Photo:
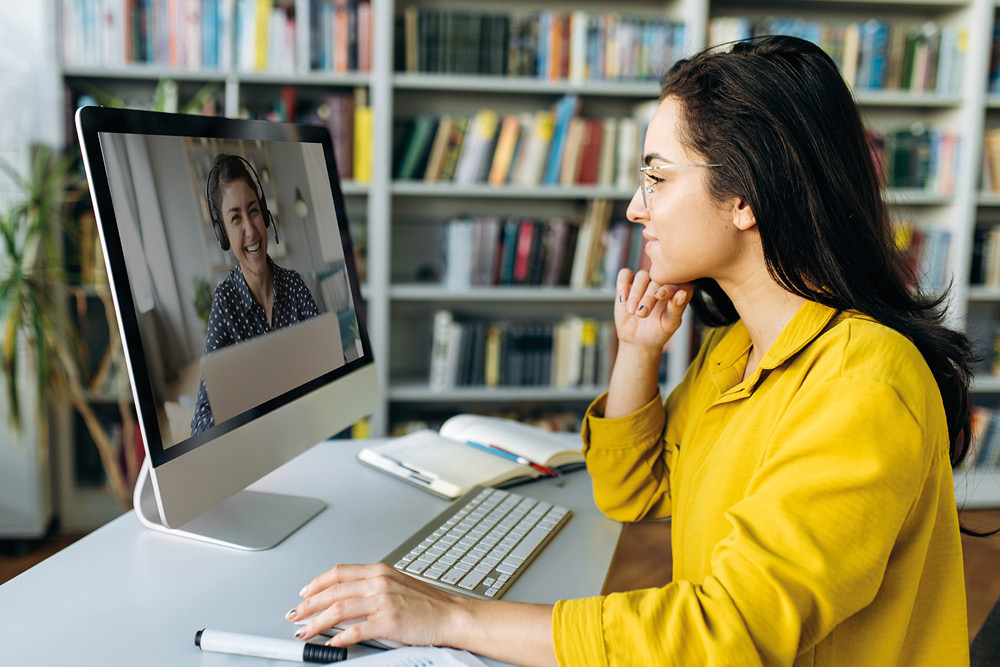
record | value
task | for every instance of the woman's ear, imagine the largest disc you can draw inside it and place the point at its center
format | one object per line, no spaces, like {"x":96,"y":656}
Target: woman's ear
{"x":743,"y":216}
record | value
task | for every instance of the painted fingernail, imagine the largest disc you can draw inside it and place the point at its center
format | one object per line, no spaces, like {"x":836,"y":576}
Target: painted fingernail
{"x":621,"y":296}
{"x":642,"y":309}
{"x":660,"y":293}
{"x":300,"y":634}
{"x":291,"y":614}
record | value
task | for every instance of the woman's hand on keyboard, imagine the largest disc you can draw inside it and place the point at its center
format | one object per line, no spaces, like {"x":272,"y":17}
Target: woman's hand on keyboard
{"x":395,"y":606}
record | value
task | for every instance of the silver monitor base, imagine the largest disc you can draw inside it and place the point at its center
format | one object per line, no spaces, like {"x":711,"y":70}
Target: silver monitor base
{"x":249,"y":520}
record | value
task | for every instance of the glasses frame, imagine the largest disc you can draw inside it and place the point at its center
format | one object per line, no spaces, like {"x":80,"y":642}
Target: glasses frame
{"x":647,"y":195}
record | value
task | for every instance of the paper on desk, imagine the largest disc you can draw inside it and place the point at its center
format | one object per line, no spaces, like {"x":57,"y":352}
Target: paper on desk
{"x":420,"y":656}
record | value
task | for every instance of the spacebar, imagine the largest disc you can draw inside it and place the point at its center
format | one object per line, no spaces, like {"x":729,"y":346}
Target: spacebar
{"x":529,"y":543}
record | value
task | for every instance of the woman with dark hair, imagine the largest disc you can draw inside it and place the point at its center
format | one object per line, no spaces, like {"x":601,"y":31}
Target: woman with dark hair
{"x":257,"y":296}
{"x":805,"y":457}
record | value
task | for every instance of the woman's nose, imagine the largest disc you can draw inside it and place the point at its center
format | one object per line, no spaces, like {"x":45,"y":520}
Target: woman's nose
{"x":636,"y":211}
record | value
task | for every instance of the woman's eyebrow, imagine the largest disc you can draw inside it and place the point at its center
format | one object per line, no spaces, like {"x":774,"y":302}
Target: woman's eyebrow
{"x":649,"y":157}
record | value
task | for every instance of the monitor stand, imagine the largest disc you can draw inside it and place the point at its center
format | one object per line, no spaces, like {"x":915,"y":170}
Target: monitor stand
{"x":249,"y":520}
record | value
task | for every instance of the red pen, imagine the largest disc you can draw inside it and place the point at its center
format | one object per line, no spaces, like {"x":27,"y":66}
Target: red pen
{"x":526,"y":462}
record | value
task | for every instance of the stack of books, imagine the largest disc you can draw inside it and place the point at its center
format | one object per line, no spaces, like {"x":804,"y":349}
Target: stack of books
{"x":984,"y":450}
{"x":475,"y":352}
{"x":488,"y":251}
{"x":246,"y":35}
{"x":926,"y":249}
{"x":873,"y":54}
{"x":917,"y":156}
{"x":554,"y":45}
{"x":552,"y":147}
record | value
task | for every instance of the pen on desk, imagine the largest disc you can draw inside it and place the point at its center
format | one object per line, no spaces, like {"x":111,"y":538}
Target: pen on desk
{"x":500,"y":451}
{"x":219,"y":641}
{"x":412,"y":473}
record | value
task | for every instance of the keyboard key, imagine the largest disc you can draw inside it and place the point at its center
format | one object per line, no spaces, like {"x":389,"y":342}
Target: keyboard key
{"x":530,"y":541}
{"x":452,"y":576}
{"x":417,"y":566}
{"x":471,"y":580}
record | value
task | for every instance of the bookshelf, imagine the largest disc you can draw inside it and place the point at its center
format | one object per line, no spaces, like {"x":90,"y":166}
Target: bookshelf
{"x":402,"y":220}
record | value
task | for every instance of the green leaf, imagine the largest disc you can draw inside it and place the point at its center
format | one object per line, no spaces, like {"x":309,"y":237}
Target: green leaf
{"x":103,"y":98}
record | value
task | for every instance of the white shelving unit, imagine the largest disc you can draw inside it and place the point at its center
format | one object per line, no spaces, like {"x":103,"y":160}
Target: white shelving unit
{"x":397,"y":305}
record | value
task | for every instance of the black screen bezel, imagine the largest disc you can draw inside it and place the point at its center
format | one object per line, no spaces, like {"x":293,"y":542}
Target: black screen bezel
{"x":91,"y":123}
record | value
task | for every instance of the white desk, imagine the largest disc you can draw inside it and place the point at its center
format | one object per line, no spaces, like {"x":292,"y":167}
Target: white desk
{"x":125,"y":595}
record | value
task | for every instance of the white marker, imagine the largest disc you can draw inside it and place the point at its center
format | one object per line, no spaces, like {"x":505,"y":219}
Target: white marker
{"x":267,"y":647}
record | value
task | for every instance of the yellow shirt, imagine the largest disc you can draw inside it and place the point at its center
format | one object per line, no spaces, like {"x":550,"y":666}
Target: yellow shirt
{"x":814,"y":518}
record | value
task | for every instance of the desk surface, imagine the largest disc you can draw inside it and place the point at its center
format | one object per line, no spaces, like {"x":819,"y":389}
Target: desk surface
{"x":127,"y":595}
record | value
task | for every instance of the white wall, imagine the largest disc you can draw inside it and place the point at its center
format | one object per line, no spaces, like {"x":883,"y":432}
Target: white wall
{"x":31,"y":105}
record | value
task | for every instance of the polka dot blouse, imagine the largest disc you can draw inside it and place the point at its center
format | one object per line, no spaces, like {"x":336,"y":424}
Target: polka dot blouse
{"x":235,"y":317}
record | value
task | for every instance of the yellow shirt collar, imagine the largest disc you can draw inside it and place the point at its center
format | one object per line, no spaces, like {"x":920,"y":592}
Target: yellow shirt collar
{"x":728,"y":359}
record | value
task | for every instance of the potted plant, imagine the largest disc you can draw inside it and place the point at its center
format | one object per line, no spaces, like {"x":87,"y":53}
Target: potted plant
{"x":32,"y":283}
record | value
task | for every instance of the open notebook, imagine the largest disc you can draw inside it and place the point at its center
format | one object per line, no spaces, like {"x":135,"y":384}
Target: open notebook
{"x":445,"y":463}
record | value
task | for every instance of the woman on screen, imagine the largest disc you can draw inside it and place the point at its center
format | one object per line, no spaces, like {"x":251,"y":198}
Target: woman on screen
{"x":806,"y":457}
{"x":257,"y":296}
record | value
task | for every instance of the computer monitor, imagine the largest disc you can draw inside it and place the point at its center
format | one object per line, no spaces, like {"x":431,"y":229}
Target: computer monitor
{"x":248,"y":282}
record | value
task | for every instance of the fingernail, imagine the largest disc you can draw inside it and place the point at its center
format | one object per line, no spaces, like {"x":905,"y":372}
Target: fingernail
{"x":631,"y":307}
{"x":621,"y":296}
{"x":303,"y":592}
{"x":291,"y":614}
{"x":660,"y":293}
{"x":300,"y":634}
{"x":642,"y":308}
{"x":680,"y":297}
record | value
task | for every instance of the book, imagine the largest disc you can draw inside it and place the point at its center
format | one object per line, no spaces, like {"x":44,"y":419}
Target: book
{"x":417,"y":149}
{"x":510,"y":129}
{"x":443,"y":463}
{"x":435,"y":161}
{"x":362,"y":168}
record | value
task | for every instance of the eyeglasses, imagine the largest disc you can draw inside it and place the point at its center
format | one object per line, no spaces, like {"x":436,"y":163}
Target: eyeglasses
{"x":646,"y":183}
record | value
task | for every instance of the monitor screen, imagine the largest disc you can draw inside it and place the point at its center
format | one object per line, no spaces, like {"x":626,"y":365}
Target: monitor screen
{"x":230,"y":263}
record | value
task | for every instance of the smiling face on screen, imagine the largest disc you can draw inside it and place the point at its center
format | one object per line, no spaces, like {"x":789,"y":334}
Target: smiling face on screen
{"x":243,"y":220}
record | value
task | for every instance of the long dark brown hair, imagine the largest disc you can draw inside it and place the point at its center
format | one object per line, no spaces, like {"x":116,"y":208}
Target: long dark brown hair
{"x":776,"y":114}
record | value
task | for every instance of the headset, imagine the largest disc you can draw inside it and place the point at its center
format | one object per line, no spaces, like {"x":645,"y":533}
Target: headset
{"x":220,"y":230}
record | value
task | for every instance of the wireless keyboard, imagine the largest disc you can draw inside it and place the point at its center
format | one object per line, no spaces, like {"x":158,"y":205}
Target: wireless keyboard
{"x":481,"y":544}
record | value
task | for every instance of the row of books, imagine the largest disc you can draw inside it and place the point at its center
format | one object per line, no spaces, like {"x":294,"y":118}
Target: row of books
{"x":548,"y":147}
{"x":984,"y":268}
{"x":340,"y":37}
{"x":173,"y":33}
{"x":917,"y":156}
{"x":345,"y":113}
{"x":577,"y":351}
{"x":984,"y":450}
{"x":248,"y":35}
{"x":553,"y":45}
{"x":873,"y":54}
{"x":488,"y":251}
{"x":263,"y":35}
{"x":926,"y":250}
